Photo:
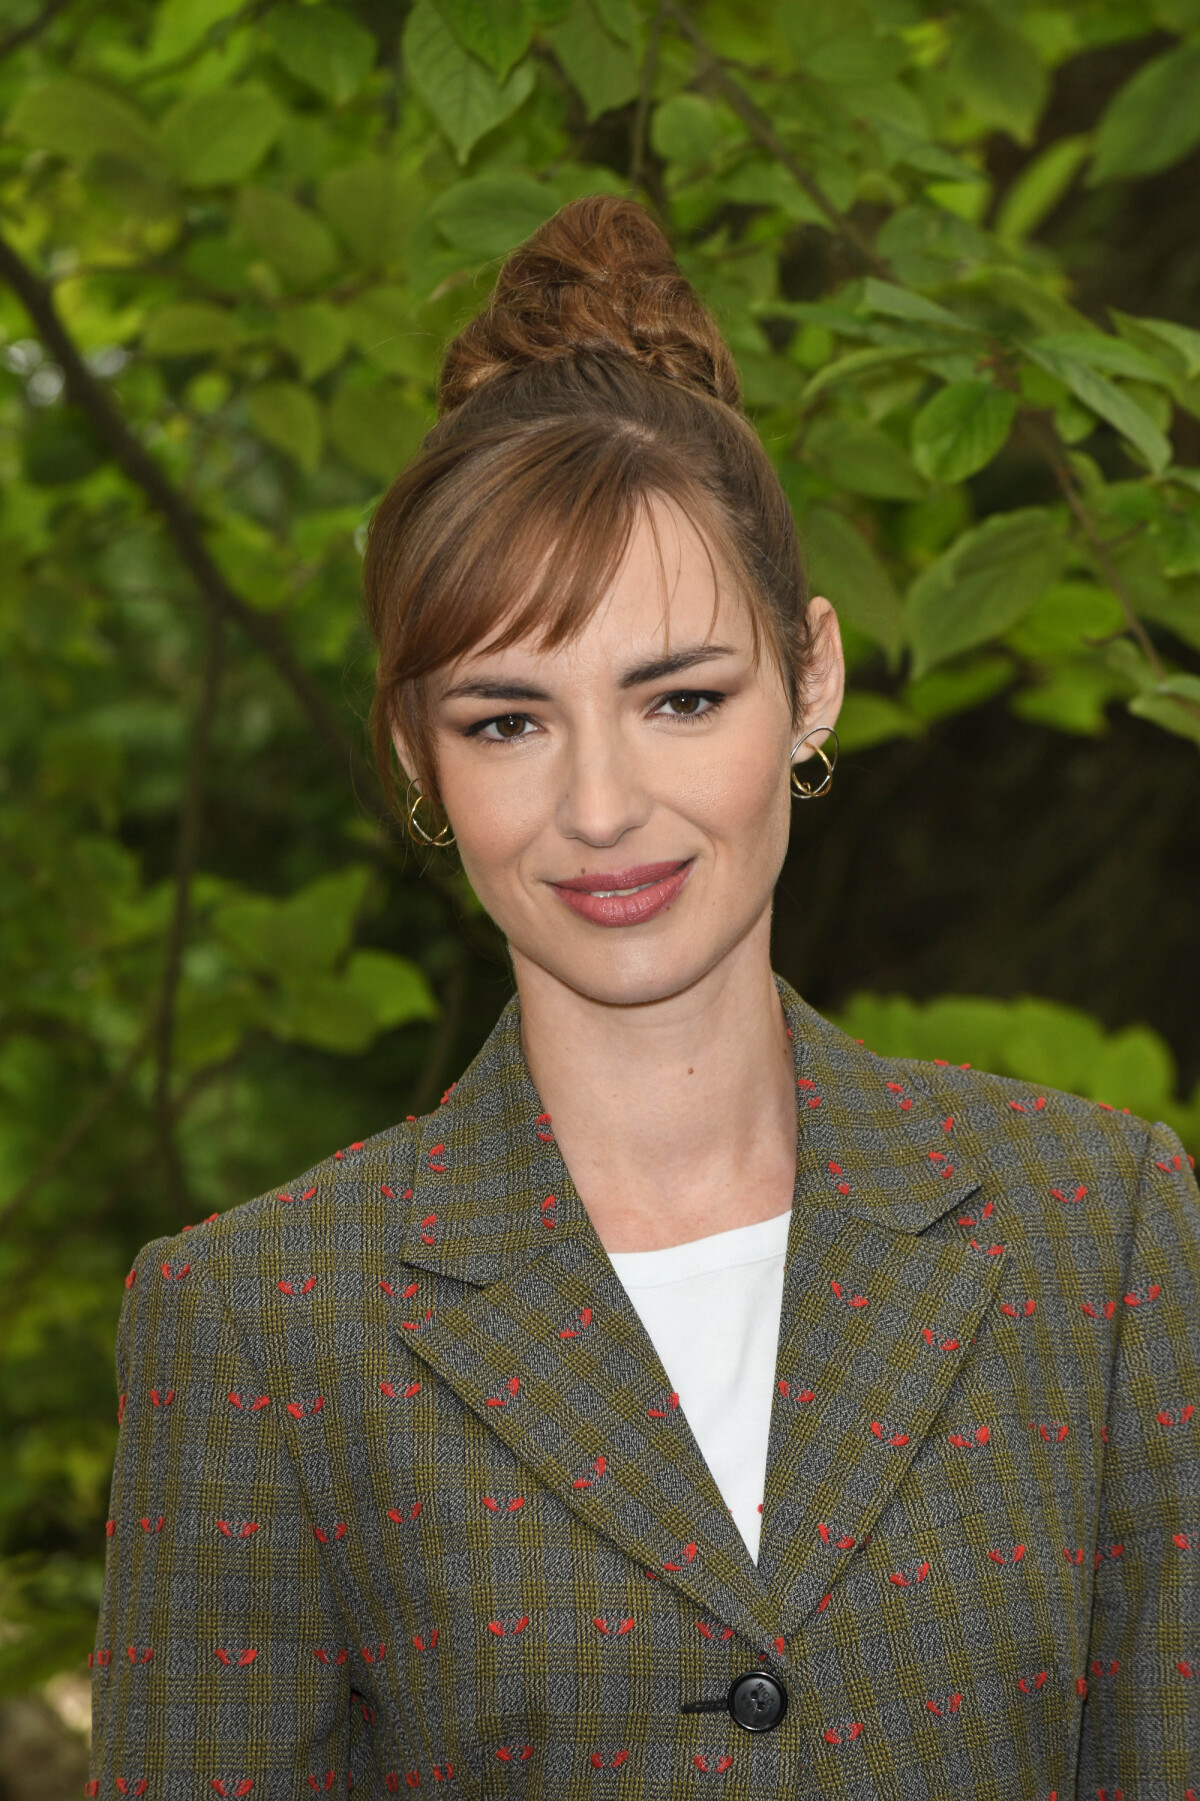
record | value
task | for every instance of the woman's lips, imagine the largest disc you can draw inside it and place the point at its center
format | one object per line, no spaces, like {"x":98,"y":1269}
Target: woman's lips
{"x":624,"y":897}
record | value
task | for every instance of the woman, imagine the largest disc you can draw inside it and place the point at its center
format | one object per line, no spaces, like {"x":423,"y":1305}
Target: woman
{"x":694,"y":1401}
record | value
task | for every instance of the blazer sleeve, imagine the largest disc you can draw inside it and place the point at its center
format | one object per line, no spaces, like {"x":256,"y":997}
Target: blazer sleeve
{"x":1141,"y":1712}
{"x":220,"y":1664}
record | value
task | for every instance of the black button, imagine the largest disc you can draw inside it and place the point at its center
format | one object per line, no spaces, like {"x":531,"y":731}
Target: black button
{"x":757,"y":1701}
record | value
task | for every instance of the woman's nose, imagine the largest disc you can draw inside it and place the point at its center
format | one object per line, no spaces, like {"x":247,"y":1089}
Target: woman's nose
{"x":603,"y":795}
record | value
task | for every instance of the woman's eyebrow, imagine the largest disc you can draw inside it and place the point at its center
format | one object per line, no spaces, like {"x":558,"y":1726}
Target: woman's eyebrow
{"x":658,"y":668}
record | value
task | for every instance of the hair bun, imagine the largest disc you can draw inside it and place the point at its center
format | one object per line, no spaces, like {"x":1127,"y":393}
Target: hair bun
{"x":598,"y":276}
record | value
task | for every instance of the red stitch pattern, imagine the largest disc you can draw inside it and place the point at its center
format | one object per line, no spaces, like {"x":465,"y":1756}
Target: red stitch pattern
{"x":428,"y":1224}
{"x":813,"y":1099}
{"x":1052,"y":1431}
{"x":1073,"y":1556}
{"x":940,"y":1158}
{"x":1019,"y":1309}
{"x":515,"y":1753}
{"x":1184,"y":1542}
{"x":853,"y":1300}
{"x":608,"y":1630}
{"x":401,"y":1518}
{"x":802,"y":1396}
{"x":1175,"y":1416}
{"x":823,"y":1603}
{"x":835,"y":1169}
{"x":152,"y":1525}
{"x":203,"y":1222}
{"x":405,"y":1394}
{"x":306,"y":1286}
{"x":514,"y":1505}
{"x":143,"y":1656}
{"x":578,"y":1325}
{"x":426,"y":1642}
{"x":435,"y":1152}
{"x":306,"y":1196}
{"x":1102,"y":1310}
{"x":242,"y":1786}
{"x":440,"y":1775}
{"x":511,"y":1390}
{"x":1098,"y":1668}
{"x":1029,"y":1685}
{"x":299,"y":1411}
{"x":715,"y":1769}
{"x":235,"y":1659}
{"x":614,"y":1763}
{"x":949,"y":1704}
{"x":322,"y":1656}
{"x":543,"y":1120}
{"x":374,"y":1653}
{"x":1185,"y":1668}
{"x":548,"y":1216}
{"x":668,"y":1406}
{"x":978,"y":1437}
{"x":832,"y":1736}
{"x":845,"y":1543}
{"x":110,"y":1527}
{"x":1141,"y":1297}
{"x":969,"y":1219}
{"x":131,"y":1278}
{"x":414,"y":1325}
{"x":1107,"y":1551}
{"x":356,"y":1146}
{"x":101,"y":1658}
{"x":895,"y":1438}
{"x":163,"y":1400}
{"x":1068,"y":1199}
{"x":92,"y":1786}
{"x":315,"y":1785}
{"x":235,"y":1400}
{"x":175,"y":1275}
{"x":903,"y":1581}
{"x":948,"y":1123}
{"x":998,"y":1556}
{"x":132,"y":1785}
{"x":989,"y":1250}
{"x":709,"y":1632}
{"x":689,"y":1556}
{"x":237,"y":1529}
{"x":596,"y":1469}
{"x":330,"y":1534}
{"x":945,"y":1344}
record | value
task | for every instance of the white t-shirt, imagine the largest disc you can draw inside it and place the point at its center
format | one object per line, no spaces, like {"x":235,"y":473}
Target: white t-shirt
{"x":711,"y":1309}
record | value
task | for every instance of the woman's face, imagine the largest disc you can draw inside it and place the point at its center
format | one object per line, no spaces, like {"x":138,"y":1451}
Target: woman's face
{"x":621,"y":803}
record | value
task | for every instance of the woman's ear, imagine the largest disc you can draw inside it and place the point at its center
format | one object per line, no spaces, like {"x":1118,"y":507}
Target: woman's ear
{"x":403,"y":753}
{"x":825,"y":686}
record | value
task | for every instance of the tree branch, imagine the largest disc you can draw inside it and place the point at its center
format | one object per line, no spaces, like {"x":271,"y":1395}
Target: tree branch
{"x":649,"y":65}
{"x":182,"y":521}
{"x":763,"y":132}
{"x":185,"y":861}
{"x":25,"y":34}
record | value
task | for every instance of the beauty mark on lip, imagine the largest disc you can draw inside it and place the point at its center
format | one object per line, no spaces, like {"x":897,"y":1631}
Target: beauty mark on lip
{"x":620,"y":897}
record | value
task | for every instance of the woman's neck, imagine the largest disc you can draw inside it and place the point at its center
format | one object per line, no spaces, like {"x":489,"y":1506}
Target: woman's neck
{"x":676,"y":1119}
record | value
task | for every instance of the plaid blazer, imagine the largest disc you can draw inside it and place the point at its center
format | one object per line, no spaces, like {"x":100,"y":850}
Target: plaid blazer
{"x":403,"y":1499}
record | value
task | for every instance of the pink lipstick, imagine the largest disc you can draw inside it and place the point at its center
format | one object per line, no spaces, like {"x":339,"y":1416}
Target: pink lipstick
{"x":624,"y":897}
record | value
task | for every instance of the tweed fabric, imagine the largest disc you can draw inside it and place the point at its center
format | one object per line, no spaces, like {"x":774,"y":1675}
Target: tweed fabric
{"x":402,"y":1498}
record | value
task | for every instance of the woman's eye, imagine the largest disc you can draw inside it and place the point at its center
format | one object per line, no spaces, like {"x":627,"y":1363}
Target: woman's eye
{"x":508,"y":725}
{"x":688,"y":703}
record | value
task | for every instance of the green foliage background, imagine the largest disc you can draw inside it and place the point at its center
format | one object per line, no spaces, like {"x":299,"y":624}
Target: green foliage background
{"x":233,"y":238}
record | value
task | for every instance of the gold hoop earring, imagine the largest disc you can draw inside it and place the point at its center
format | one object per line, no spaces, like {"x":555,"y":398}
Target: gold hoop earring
{"x":416,"y":830}
{"x":805,"y":790}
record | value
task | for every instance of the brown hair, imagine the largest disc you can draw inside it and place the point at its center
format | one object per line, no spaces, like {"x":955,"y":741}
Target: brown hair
{"x":595,"y":380}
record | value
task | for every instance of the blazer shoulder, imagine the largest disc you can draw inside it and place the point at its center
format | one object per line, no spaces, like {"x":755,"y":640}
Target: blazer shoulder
{"x":326,"y":1208}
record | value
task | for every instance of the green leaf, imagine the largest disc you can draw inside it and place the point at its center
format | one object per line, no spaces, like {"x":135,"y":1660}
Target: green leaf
{"x":687,"y":129}
{"x":315,"y":335}
{"x":79,"y":119}
{"x":1172,"y":714}
{"x":221,"y":136}
{"x":1159,"y":336}
{"x":498,"y":32}
{"x":487,"y":215}
{"x":603,"y":69}
{"x":293,"y":240}
{"x":904,"y":303}
{"x":1068,"y":613}
{"x":324,"y":1012}
{"x":961,"y":429}
{"x":371,"y":205}
{"x":381,"y":323}
{"x":1153,"y":121}
{"x":944,"y":692}
{"x":863,"y":459}
{"x":189,"y":328}
{"x":1039,"y":187}
{"x":860,"y":362}
{"x":867,"y":719}
{"x":1113,"y":356}
{"x":461,"y":92}
{"x":994,"y":65}
{"x":1104,"y":399}
{"x":392,"y":987}
{"x":287,"y":416}
{"x":323,"y":46}
{"x":301,"y":935}
{"x":841,"y":42}
{"x":983,"y":584}
{"x":377,"y":428}
{"x":1070,"y":696}
{"x":840,"y":563}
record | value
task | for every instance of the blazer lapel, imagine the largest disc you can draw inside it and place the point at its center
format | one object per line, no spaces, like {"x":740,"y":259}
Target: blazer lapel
{"x":528,"y":1323}
{"x":877,"y":1319}
{"x":531,"y":1327}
